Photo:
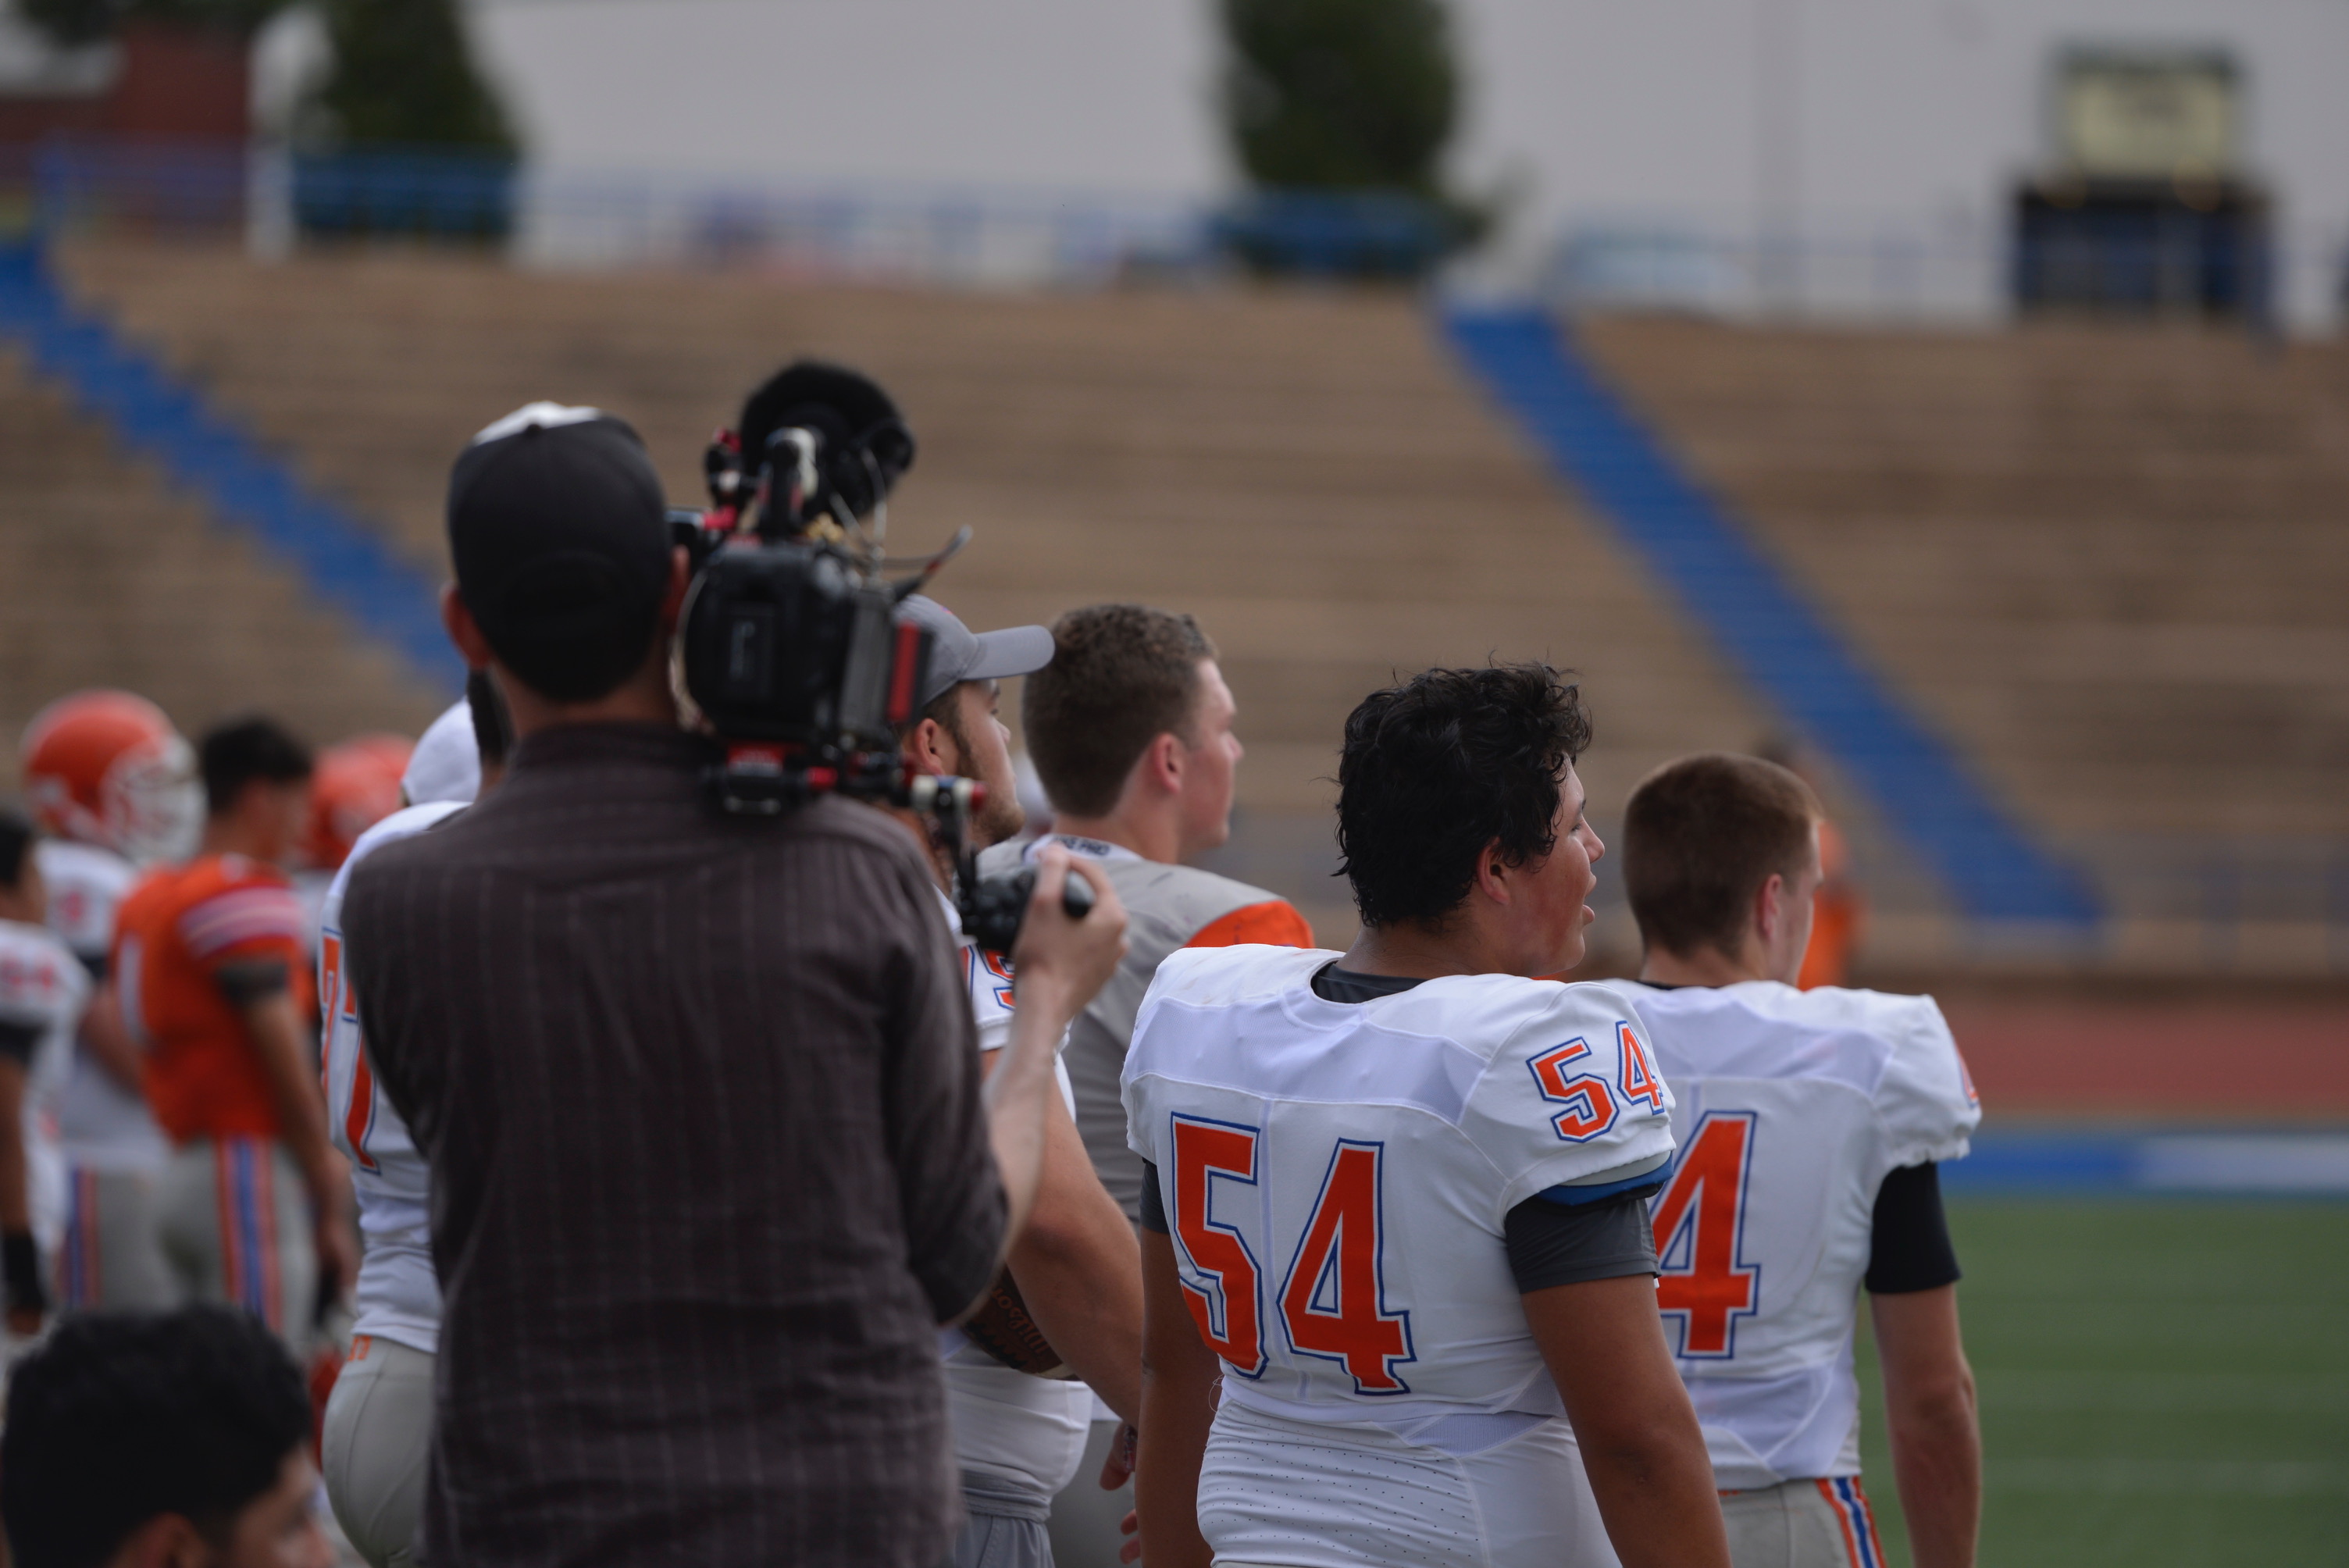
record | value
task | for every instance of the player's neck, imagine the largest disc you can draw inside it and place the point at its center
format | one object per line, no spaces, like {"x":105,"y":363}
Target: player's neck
{"x":1410,"y":952}
{"x":229,"y":835}
{"x":1153,"y":835}
{"x":1707,"y":967}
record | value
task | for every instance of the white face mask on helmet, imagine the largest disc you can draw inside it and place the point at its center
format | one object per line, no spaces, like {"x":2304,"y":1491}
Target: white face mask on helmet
{"x":153,"y":806}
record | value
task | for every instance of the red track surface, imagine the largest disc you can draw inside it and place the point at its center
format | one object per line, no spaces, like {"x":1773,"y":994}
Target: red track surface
{"x":2184,"y":1059}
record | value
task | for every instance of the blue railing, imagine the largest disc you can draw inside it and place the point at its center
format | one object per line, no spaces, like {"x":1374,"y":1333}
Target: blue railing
{"x":1773,"y":637}
{"x":157,"y":416}
{"x":435,"y":192}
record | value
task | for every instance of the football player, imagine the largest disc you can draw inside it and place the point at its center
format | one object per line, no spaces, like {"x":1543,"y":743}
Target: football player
{"x":375,"y":1440}
{"x":208,"y":969}
{"x":1130,"y":727}
{"x":43,"y":990}
{"x":356,"y":786}
{"x":1020,"y":1422}
{"x":1809,"y":1124}
{"x":113,"y":786}
{"x":1397,"y":1196}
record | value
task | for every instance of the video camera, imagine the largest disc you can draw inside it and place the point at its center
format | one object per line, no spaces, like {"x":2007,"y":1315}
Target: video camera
{"x":790,"y":653}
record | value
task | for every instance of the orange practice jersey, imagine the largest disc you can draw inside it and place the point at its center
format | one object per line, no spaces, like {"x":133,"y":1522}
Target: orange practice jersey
{"x":176,"y":932}
{"x":1273,"y":923}
{"x":1837,"y":916}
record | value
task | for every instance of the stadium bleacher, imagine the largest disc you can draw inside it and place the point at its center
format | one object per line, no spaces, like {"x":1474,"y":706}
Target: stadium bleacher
{"x":117,"y":581}
{"x":2105,"y":560}
{"x":2108,"y":560}
{"x":2095,"y":560}
{"x":1306,"y":472}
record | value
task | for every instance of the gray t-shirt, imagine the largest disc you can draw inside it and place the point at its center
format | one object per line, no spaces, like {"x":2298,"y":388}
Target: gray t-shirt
{"x":1167,"y":907}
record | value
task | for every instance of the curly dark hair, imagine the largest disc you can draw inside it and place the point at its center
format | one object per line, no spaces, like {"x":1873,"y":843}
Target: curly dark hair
{"x":120,"y":1418}
{"x":1443,"y":765}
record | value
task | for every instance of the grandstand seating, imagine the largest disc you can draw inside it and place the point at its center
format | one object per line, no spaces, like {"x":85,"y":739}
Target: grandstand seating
{"x":2102,"y":561}
{"x":2109,"y":562}
{"x":114,"y":579}
{"x":1306,"y":472}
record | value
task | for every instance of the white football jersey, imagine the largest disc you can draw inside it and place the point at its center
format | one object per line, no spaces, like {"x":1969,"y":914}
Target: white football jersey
{"x":1007,"y":1426}
{"x":43,"y":986}
{"x":105,"y":1125}
{"x":397,"y":1293}
{"x":1793,"y":1107}
{"x":310,"y":890}
{"x":1337,"y":1179}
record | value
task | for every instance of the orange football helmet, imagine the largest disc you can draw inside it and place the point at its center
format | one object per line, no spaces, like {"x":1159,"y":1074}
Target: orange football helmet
{"x":106,"y":768}
{"x":356,"y":784}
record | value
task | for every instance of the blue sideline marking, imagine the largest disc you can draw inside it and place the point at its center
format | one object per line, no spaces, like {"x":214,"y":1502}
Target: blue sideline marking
{"x":1776,"y":640}
{"x":2247,"y":1164}
{"x":150,"y":411}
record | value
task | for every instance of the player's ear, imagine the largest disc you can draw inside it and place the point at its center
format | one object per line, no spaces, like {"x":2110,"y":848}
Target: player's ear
{"x":166,"y":1541}
{"x":1769,"y":910}
{"x":1161,"y":766}
{"x":931,"y":749}
{"x":1493,"y":871}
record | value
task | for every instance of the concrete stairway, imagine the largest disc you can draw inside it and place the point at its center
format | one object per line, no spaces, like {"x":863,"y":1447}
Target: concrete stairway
{"x":113,"y":579}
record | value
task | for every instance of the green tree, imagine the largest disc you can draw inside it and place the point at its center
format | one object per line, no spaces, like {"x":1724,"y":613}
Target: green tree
{"x":87,"y":21}
{"x":1341,"y":95}
{"x":403,"y":72}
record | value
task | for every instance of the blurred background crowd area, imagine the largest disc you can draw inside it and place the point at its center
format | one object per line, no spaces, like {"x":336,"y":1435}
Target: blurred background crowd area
{"x":1948,"y":396}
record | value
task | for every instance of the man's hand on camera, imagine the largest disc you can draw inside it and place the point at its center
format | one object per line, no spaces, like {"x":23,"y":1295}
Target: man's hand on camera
{"x":1061,"y":962}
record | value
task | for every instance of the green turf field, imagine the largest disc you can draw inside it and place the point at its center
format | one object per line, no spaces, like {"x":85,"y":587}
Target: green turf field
{"x":2162,"y":1383}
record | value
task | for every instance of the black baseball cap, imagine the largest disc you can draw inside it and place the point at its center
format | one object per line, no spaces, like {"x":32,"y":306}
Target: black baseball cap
{"x":560,"y":534}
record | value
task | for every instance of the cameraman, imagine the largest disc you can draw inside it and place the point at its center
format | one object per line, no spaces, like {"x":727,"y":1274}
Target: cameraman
{"x":710,"y":1158}
{"x":1075,"y":1274}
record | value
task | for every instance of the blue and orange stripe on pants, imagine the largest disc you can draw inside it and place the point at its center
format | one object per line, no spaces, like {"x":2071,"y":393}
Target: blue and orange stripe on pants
{"x":83,"y":1281}
{"x":1858,"y":1521}
{"x":245,"y":1176}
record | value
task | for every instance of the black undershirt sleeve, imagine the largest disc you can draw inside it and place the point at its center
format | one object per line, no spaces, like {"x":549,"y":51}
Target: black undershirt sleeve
{"x":1153,"y":1207}
{"x":1552,"y":1243}
{"x":252,"y":980}
{"x":19,"y":1041}
{"x":1908,"y":1242}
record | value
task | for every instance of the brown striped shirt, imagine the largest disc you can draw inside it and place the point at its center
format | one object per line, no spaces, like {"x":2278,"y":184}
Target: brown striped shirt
{"x":701,"y":1101}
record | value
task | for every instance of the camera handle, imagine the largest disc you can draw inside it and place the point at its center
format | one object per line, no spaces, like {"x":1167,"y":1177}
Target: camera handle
{"x":991,"y":909}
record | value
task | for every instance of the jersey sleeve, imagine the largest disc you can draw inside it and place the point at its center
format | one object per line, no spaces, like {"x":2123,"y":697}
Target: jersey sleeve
{"x":1572,"y":1100}
{"x":1926,"y":1098}
{"x":249,"y":920}
{"x":41,"y":985}
{"x":1272,"y":923}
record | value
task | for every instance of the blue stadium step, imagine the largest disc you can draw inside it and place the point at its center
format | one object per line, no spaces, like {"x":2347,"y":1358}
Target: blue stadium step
{"x":1769,"y":632}
{"x":154,"y":414}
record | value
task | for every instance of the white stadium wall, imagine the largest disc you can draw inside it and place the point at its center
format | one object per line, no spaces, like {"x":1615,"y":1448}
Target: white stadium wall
{"x":1850,"y":124}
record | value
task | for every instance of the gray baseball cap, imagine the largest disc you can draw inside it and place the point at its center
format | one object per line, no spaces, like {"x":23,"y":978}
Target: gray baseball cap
{"x":959,"y":654}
